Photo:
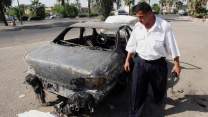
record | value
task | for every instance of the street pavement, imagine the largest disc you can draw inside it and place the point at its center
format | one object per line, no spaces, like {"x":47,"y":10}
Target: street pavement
{"x":26,"y":36}
{"x":190,"y":97}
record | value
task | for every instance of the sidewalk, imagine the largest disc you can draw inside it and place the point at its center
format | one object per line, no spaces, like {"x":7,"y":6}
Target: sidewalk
{"x":63,"y":22}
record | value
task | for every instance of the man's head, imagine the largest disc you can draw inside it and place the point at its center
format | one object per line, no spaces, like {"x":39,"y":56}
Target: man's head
{"x":144,"y":13}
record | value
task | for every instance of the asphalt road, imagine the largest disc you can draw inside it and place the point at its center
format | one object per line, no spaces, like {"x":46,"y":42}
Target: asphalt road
{"x":191,"y":90}
{"x":12,"y":38}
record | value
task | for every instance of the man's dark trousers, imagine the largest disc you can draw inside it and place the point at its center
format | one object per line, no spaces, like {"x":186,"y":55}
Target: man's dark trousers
{"x":145,"y":73}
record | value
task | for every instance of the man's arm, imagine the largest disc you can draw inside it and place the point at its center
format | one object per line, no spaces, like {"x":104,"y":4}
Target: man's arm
{"x":172,"y":49}
{"x":131,"y":49}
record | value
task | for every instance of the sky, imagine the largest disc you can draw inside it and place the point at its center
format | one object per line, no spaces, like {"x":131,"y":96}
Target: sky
{"x":52,"y":2}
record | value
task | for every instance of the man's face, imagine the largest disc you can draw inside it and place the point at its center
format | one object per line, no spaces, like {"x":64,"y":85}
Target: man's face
{"x":143,"y":18}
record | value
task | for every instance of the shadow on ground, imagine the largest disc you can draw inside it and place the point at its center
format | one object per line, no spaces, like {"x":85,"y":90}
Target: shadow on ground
{"x":188,"y":103}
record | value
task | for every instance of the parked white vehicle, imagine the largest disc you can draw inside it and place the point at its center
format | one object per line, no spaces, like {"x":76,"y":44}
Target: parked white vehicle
{"x":121,"y":12}
{"x":122,"y":19}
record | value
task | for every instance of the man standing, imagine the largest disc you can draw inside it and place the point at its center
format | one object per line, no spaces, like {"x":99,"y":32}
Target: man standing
{"x":151,"y":41}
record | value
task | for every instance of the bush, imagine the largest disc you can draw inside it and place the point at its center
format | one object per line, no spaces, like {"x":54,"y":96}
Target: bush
{"x":199,"y":15}
{"x":40,"y":12}
{"x":198,"y":10}
{"x":93,"y":14}
{"x":58,"y":9}
{"x":83,"y":15}
{"x":14,"y":11}
{"x":71,"y":10}
{"x":67,"y":11}
{"x":37,"y":10}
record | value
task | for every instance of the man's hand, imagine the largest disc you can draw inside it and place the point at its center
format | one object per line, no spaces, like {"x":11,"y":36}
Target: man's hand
{"x":177,"y":70}
{"x":127,"y":66}
{"x":177,"y":67}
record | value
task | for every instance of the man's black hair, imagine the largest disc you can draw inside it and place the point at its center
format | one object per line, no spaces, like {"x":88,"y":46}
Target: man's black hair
{"x":142,"y":6}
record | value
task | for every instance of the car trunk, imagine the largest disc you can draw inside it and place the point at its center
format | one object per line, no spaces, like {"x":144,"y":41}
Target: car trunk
{"x":60,"y":64}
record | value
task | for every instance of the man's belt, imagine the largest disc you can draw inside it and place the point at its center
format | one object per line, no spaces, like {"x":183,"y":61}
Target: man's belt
{"x":160,"y":60}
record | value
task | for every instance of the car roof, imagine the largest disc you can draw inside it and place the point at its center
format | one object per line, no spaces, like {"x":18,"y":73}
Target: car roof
{"x":99,"y":25}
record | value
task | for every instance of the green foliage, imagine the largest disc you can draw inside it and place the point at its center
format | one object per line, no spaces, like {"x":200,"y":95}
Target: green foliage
{"x":37,"y":9}
{"x":83,"y":15}
{"x":156,"y":8}
{"x":197,"y":9}
{"x":14,"y":11}
{"x":66,"y":11}
{"x":40,"y":12}
{"x":200,"y":12}
{"x":71,"y":10}
{"x":93,"y":14}
{"x":59,"y":9}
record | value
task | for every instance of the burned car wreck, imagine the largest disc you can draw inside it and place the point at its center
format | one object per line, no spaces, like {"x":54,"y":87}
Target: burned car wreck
{"x":82,"y":70}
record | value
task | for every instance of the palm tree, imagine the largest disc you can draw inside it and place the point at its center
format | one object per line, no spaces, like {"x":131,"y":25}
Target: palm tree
{"x":3,"y":5}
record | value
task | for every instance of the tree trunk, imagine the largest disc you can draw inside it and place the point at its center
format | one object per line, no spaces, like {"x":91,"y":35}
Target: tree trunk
{"x":2,"y":15}
{"x":129,"y":8}
{"x":63,"y":2}
{"x":89,"y":7}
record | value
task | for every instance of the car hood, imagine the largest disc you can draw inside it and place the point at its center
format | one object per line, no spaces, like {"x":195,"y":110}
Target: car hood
{"x":55,"y":61}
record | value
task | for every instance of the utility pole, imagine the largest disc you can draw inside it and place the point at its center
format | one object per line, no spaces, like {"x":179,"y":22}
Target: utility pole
{"x":19,"y":12}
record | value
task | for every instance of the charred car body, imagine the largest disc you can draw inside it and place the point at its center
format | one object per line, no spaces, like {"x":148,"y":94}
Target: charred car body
{"x":81,"y":69}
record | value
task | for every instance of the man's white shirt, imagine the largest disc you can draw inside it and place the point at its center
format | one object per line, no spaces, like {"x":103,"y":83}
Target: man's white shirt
{"x":159,"y":41}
